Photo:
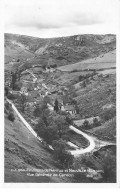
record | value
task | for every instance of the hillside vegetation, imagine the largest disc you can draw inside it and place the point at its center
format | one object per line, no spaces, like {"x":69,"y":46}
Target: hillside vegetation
{"x":56,"y":51}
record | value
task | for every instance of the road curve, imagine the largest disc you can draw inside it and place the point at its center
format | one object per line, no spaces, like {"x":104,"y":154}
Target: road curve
{"x":91,"y":146}
{"x":77,"y":151}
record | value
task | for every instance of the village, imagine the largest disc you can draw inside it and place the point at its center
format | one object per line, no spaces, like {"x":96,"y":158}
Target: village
{"x":36,"y":88}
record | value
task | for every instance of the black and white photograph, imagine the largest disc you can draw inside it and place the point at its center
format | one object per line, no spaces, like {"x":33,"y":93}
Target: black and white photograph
{"x":60,"y":91}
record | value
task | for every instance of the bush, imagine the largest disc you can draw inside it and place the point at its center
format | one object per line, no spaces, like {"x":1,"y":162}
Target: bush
{"x":74,"y":70}
{"x":11,"y":96}
{"x":96,"y":122}
{"x":83,"y":84}
{"x":11,"y":116}
{"x":7,"y":105}
{"x":69,"y":120}
{"x":86,"y":125}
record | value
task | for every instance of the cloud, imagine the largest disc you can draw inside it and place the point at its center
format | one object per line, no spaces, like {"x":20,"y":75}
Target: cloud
{"x":59,"y":16}
{"x":53,"y":20}
{"x":86,"y":19}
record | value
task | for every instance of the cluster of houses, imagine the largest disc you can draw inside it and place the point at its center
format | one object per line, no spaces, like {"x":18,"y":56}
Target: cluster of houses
{"x":35,"y":90}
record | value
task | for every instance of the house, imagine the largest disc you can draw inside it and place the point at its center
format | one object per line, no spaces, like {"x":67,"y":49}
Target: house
{"x":70,"y":109}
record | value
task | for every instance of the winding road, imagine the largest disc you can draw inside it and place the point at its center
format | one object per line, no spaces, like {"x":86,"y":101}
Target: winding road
{"x":91,"y":146}
{"x":77,"y":152}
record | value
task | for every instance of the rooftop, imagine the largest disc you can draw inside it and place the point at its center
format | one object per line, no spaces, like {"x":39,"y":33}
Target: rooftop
{"x":69,"y":108}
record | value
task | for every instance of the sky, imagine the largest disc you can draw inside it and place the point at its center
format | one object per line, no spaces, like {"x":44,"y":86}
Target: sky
{"x":56,"y":18}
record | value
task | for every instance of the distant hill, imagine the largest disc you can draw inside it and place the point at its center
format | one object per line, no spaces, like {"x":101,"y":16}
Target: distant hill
{"x":60,"y":51}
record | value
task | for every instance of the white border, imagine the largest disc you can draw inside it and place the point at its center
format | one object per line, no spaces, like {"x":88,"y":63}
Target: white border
{"x":52,"y":185}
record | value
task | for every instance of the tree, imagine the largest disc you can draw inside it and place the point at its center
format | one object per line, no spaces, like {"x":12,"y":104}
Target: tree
{"x":38,"y":111}
{"x":43,"y":112}
{"x":96,"y":122}
{"x":18,"y":85}
{"x":22,"y":102}
{"x":9,"y":111}
{"x":83,"y":84}
{"x":86,"y":124}
{"x":81,"y":78}
{"x":77,"y":109}
{"x":48,"y":133}
{"x":11,"y":116}
{"x":60,"y":122}
{"x":6,"y":91}
{"x":73,"y":101}
{"x":13,"y":81}
{"x":56,"y":107}
{"x":69,"y":120}
{"x":64,"y":158}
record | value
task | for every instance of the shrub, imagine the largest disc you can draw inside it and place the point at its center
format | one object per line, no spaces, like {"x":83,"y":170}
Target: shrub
{"x":86,"y":125}
{"x":74,"y":70}
{"x":96,"y":122}
{"x":11,"y":116}
{"x":69,"y":120}
{"x":83,"y":84}
{"x":11,"y":96}
{"x":7,"y":105}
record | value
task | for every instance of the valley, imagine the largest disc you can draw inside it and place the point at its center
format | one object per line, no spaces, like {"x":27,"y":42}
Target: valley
{"x":65,"y":89}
